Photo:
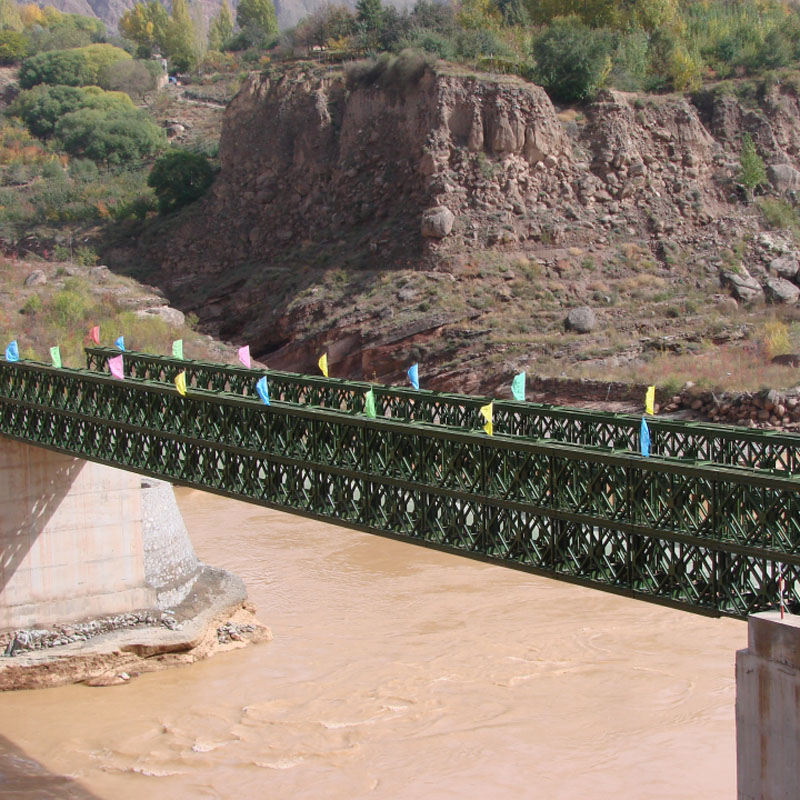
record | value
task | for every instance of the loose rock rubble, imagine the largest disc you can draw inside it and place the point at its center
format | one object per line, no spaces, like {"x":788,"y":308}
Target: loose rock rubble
{"x":23,"y":641}
{"x":766,"y":409}
{"x":231,"y":632}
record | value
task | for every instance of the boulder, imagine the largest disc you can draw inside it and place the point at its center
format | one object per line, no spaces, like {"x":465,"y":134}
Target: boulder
{"x":779,"y":290}
{"x":783,"y":177}
{"x":437,"y":222}
{"x":785,"y":267}
{"x":100,"y":274}
{"x":36,"y":278}
{"x":744,"y":287}
{"x":581,"y":320}
{"x":171,"y":316}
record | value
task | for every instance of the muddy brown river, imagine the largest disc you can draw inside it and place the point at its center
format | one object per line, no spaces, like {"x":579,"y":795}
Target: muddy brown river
{"x":396,"y":672}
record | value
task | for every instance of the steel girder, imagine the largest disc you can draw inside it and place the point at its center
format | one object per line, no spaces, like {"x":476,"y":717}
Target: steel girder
{"x":704,"y":538}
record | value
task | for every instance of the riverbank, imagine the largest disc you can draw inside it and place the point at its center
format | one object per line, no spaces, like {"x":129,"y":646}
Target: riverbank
{"x":215,"y":617}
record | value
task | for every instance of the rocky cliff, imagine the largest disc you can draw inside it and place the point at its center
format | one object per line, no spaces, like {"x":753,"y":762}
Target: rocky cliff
{"x":410,"y":212}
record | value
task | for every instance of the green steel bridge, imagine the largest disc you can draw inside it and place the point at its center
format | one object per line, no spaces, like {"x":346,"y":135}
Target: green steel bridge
{"x":708,"y":523}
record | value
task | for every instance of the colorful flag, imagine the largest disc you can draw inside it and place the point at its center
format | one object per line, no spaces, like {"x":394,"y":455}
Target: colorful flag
{"x":55,"y":356}
{"x":486,"y":413}
{"x":649,"y":399}
{"x":413,"y":375}
{"x":369,"y":404}
{"x":115,"y":367}
{"x":323,"y":364}
{"x":180,"y":383}
{"x":244,"y":355}
{"x":262,"y":390}
{"x":518,"y":387}
{"x":12,"y":351}
{"x":177,"y":348}
{"x":94,"y":334}
{"x":644,"y":438}
{"x":119,"y":343}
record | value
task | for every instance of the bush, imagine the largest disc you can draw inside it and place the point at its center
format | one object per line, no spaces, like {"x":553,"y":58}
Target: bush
{"x":77,"y":67}
{"x":117,"y":138}
{"x":133,"y":77}
{"x":13,"y":47}
{"x":572,"y":60}
{"x":751,"y":166}
{"x":43,"y":106}
{"x":179,"y":178}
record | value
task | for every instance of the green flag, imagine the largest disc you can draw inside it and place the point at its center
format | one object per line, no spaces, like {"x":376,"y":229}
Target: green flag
{"x":369,"y":404}
{"x":55,"y":356}
{"x":518,"y":387}
{"x":177,"y":348}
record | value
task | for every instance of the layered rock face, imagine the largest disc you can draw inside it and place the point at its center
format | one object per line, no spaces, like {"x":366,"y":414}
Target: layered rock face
{"x":438,"y":171}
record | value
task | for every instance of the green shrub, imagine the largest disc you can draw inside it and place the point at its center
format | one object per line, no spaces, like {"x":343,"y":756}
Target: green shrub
{"x":572,"y":60}
{"x":13,"y":47}
{"x":751,"y":166}
{"x":76,"y":67}
{"x":117,"y":138}
{"x":43,"y":106}
{"x":33,"y":305}
{"x":67,"y":307}
{"x":179,"y":178}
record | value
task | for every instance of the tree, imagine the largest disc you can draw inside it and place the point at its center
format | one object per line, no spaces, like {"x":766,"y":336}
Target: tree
{"x":146,"y":24}
{"x":179,"y":178}
{"x":572,"y":60}
{"x":370,"y":14}
{"x":10,"y":19}
{"x":257,"y":20}
{"x":221,"y":28}
{"x":179,"y":44}
{"x":13,"y":47}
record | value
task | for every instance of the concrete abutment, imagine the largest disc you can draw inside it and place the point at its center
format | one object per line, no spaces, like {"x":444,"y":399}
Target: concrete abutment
{"x":768,"y":709}
{"x":81,"y":541}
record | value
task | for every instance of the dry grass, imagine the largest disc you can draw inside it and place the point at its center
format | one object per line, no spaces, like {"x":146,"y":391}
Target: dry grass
{"x":61,"y":312}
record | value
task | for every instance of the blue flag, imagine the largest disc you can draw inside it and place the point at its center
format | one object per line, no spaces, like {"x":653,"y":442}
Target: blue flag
{"x":413,"y":375}
{"x":12,"y":351}
{"x":119,"y":343}
{"x":644,"y":438}
{"x":262,"y":390}
{"x":518,"y":387}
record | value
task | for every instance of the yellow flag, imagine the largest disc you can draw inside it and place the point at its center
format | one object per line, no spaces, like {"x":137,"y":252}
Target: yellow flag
{"x":486,"y":413}
{"x":323,"y":364}
{"x":180,"y":383}
{"x":649,"y":399}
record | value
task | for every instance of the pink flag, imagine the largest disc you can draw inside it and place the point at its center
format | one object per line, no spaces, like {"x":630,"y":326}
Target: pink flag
{"x":94,"y":334}
{"x":115,"y":365}
{"x":244,"y":355}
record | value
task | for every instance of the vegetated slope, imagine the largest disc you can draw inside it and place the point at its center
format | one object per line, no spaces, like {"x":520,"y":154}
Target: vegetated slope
{"x":288,"y":12}
{"x":411,"y":213}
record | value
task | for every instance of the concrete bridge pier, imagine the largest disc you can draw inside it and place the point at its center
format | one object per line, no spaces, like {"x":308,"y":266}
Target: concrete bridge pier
{"x":768,"y":709}
{"x":82,"y":540}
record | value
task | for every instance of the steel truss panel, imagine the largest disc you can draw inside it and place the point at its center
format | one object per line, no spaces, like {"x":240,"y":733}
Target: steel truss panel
{"x":701,"y":537}
{"x":716,"y":444}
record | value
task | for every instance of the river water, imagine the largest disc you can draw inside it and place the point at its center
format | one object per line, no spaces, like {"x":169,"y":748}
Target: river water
{"x":399,"y":672}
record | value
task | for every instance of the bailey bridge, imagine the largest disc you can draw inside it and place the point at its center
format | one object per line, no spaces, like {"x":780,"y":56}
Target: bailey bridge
{"x":709,"y":522}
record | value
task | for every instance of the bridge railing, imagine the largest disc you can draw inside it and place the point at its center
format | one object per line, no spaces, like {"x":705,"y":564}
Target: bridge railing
{"x":717,"y":444}
{"x":708,"y":538}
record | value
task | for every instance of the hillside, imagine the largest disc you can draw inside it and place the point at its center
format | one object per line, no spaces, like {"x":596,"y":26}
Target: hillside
{"x":461,"y":220}
{"x":288,"y":12}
